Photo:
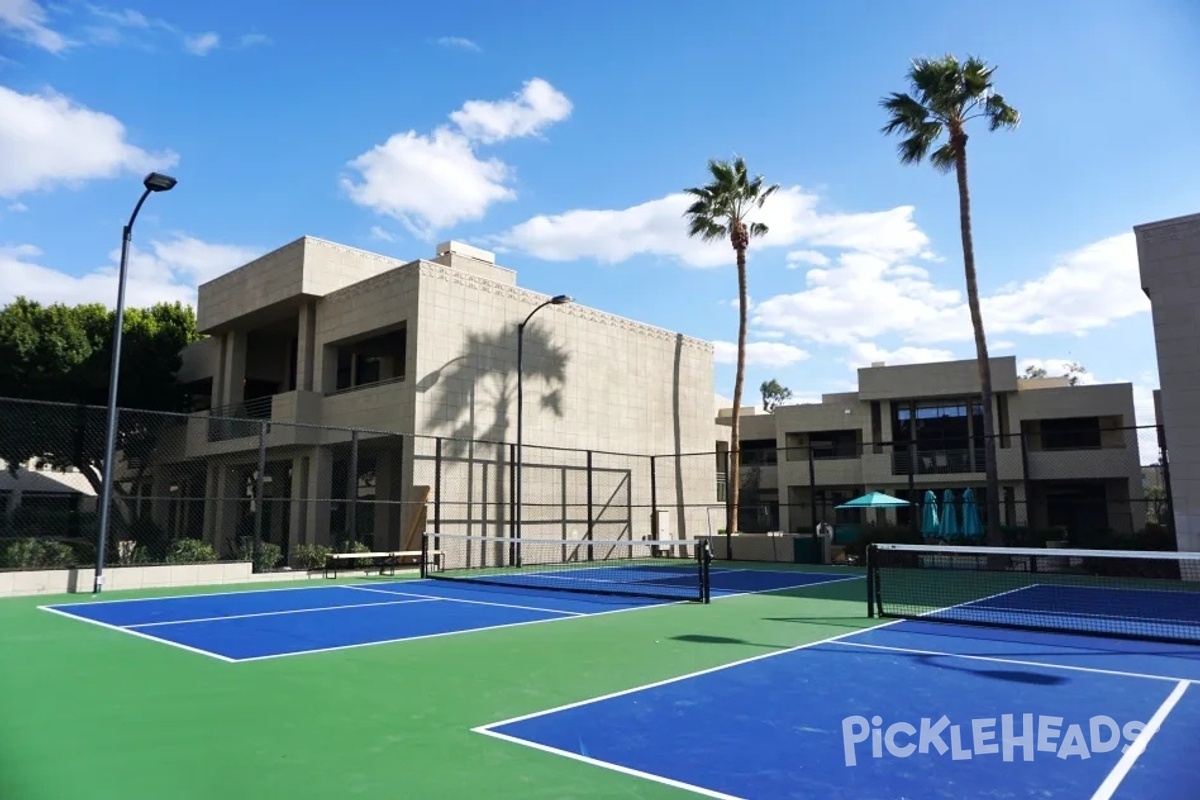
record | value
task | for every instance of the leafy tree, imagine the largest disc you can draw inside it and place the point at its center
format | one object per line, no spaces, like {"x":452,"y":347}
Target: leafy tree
{"x":946,"y":95}
{"x":1073,"y":371}
{"x":774,"y":394}
{"x":720,"y":210}
{"x":61,"y":355}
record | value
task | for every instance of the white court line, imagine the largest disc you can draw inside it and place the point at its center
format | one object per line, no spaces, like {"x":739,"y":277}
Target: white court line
{"x":1114,"y":778}
{"x":650,"y":776}
{"x":139,"y":634}
{"x":169,"y":597}
{"x":678,"y":678}
{"x":529,"y":622}
{"x":1016,"y":661}
{"x":441,"y":634}
{"x":472,"y":602}
{"x":277,"y":613}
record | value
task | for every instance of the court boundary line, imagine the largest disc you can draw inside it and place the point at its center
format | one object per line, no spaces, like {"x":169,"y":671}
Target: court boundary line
{"x":1036,"y":613}
{"x":1017,"y":662}
{"x":281,"y":613}
{"x":472,"y":602}
{"x":139,"y":635}
{"x":323,"y":586}
{"x":1121,"y":769}
{"x":1125,"y":764}
{"x":58,"y":609}
{"x":595,"y":762}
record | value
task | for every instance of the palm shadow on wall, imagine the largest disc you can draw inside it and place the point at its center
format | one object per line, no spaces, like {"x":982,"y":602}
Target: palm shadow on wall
{"x":473,"y":402}
{"x":483,"y":379}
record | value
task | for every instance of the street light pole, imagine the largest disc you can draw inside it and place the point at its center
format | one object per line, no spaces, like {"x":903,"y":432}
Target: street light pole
{"x":154,"y":182}
{"x":558,"y":300}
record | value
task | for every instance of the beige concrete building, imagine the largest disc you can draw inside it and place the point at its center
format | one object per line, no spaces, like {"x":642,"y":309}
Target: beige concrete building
{"x":1067,"y":455}
{"x":342,"y":351}
{"x":1169,"y":260}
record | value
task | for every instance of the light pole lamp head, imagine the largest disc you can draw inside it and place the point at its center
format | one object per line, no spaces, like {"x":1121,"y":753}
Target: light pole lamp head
{"x":562,"y":299}
{"x":157,"y":182}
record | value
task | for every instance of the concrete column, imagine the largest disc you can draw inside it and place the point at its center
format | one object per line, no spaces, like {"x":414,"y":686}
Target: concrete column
{"x":298,"y":507}
{"x":233,"y":368}
{"x":306,"y":347}
{"x":319,"y":490}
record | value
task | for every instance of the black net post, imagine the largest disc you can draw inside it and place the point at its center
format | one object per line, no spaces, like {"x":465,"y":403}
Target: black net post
{"x":352,"y":491}
{"x":869,"y":555}
{"x":260,"y":492}
{"x":437,"y":484}
{"x":425,"y":549}
{"x":591,"y":508}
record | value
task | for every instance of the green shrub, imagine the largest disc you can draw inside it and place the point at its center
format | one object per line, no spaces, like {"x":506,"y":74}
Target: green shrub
{"x":266,"y":559}
{"x":310,"y":556}
{"x":37,"y":554}
{"x":191,"y":551}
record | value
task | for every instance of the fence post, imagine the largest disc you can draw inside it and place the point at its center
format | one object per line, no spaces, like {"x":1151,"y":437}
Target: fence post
{"x":352,"y":489}
{"x":437,"y":485}
{"x":514,"y":557}
{"x":654,"y":499}
{"x":1164,"y":458}
{"x":591,"y":518}
{"x":260,"y":493}
{"x":911,"y":455}
{"x":1026,"y":483}
{"x":812,"y":488}
{"x":728,"y":507}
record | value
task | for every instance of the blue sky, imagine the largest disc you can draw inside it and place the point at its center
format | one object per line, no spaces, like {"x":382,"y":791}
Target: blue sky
{"x":560,"y":135}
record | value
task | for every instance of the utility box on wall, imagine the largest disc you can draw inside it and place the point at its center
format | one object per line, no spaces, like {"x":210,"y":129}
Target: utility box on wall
{"x":660,"y":524}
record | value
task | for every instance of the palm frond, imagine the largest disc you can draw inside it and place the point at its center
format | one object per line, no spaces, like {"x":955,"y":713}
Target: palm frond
{"x":757,"y":230}
{"x":942,"y":158}
{"x":1000,"y":114}
{"x":722,"y":205}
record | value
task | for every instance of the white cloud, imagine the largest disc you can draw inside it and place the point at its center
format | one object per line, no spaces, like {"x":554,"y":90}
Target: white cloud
{"x":536,"y":107}
{"x":763,"y":354}
{"x":48,"y":139}
{"x":657,"y":228}
{"x":864,"y":354}
{"x":202,"y":44}
{"x":459,"y":43}
{"x":767,"y":334}
{"x":26,"y":20}
{"x":1054,"y":368}
{"x":382,"y":234}
{"x":797,"y":258}
{"x":862,"y":297}
{"x":433,"y":181}
{"x":169,"y":271}
{"x":252,"y":39}
{"x":17,"y":208}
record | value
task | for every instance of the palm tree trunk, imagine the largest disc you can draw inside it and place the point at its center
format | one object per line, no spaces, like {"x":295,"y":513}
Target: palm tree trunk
{"x":734,"y":483}
{"x":992,"y":477}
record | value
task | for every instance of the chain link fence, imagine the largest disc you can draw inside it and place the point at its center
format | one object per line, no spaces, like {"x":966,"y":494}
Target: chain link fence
{"x":201,"y":488}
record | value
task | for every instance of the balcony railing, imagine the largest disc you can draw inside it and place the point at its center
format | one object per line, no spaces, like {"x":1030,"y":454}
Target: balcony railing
{"x":239,"y":420}
{"x":938,"y":462}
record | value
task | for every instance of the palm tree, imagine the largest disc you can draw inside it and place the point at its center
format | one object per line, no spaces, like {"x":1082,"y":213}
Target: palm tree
{"x":720,"y":210}
{"x":946,"y":95}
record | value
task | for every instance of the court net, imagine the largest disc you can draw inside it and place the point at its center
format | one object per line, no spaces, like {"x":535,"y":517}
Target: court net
{"x":1130,"y":594}
{"x":672,"y":570}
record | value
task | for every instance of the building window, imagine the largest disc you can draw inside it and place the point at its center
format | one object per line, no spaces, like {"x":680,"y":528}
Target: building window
{"x":834,"y":444}
{"x":758,"y":452}
{"x":945,"y":435}
{"x":1074,"y":433}
{"x":365,"y":362}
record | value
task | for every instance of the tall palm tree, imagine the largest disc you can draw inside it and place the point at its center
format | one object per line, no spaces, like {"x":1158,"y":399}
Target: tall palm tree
{"x":946,"y":95}
{"x":720,"y":210}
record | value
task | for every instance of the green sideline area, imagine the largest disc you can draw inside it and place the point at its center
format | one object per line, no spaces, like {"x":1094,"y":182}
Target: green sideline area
{"x":95,"y":713}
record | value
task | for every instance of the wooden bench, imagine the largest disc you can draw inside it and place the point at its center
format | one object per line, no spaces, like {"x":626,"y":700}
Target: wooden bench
{"x":383,"y":559}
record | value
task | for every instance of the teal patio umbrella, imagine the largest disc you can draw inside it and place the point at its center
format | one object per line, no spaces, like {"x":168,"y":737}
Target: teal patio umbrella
{"x":949,"y":526}
{"x":875,"y":500}
{"x":972,"y":526}
{"x":930,"y":526}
